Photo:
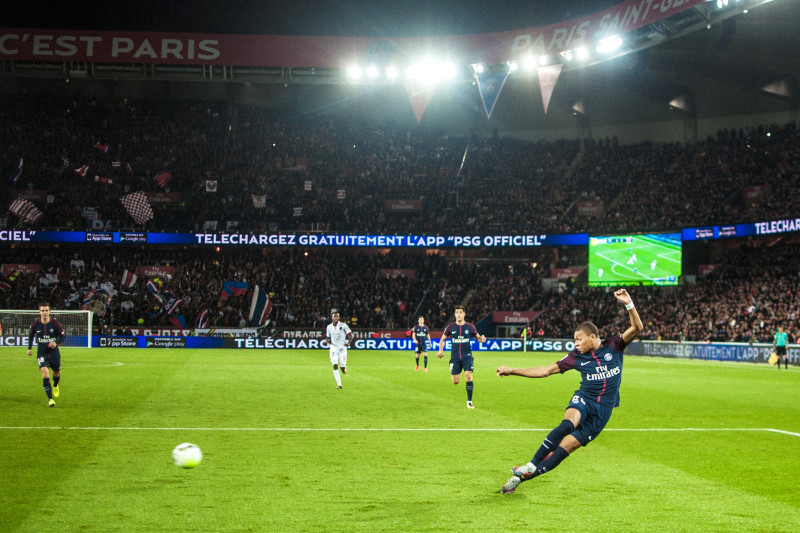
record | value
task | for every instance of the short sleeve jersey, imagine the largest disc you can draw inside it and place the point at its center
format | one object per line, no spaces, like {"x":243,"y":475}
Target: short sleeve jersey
{"x":337,"y":334}
{"x":44,"y":334}
{"x":461,"y":337}
{"x":601,"y":370}
{"x":781,"y":338}
{"x":421,"y":333}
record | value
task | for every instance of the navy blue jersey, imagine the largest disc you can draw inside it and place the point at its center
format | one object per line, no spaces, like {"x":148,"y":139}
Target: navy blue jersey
{"x":462,"y":339}
{"x":601,"y":370}
{"x":44,"y":334}
{"x":421,"y":333}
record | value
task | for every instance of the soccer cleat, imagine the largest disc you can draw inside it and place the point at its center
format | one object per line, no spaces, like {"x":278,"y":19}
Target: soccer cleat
{"x":56,"y":392}
{"x":51,"y":403}
{"x":339,"y":387}
{"x":470,"y":406}
{"x":511,"y":485}
{"x":425,"y":369}
{"x":416,"y":368}
{"x":344,"y":370}
{"x":523,"y":472}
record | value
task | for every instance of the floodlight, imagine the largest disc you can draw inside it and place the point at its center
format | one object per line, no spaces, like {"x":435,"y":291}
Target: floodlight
{"x":447,"y":70}
{"x":354,"y":72}
{"x":529,"y":62}
{"x":609,"y":44}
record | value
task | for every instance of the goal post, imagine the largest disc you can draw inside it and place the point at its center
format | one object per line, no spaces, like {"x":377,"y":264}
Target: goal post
{"x":77,"y":325}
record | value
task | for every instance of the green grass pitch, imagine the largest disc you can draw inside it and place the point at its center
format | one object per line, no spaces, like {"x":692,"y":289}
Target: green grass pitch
{"x":694,"y":446}
{"x":645,"y":260}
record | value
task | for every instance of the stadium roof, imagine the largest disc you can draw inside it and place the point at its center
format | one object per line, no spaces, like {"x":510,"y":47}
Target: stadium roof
{"x":702,"y":64}
{"x":364,"y":18}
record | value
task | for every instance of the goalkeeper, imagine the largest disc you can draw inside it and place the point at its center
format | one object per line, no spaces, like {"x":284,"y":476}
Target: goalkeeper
{"x":48,"y":334}
{"x":600,"y":365}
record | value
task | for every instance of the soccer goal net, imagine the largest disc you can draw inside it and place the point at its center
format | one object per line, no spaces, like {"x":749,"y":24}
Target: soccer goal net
{"x":77,"y":326}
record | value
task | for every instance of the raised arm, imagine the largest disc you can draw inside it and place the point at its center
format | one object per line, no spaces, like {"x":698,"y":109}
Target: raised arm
{"x":533,"y":372}
{"x":636,"y":323}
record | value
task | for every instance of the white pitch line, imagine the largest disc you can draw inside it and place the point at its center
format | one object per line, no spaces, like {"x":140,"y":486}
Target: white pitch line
{"x":98,"y":428}
{"x":784,"y":432}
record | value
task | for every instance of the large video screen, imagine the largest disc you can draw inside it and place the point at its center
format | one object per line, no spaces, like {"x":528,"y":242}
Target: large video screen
{"x":652,"y":259}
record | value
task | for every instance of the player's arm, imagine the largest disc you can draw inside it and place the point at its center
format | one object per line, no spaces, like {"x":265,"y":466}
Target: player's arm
{"x":636,"y":322}
{"x":348,"y":339}
{"x":533,"y":372}
{"x":445,"y":333}
{"x":31,"y":335}
{"x":60,"y":336}
{"x":478,"y":336}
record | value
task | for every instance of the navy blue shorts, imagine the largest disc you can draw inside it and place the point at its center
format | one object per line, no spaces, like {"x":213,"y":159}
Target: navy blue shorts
{"x":51,"y":360}
{"x":422,"y":347}
{"x":466,"y":364}
{"x":594,"y":417}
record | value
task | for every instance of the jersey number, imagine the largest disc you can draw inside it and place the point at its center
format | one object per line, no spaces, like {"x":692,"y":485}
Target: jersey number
{"x":40,"y":360}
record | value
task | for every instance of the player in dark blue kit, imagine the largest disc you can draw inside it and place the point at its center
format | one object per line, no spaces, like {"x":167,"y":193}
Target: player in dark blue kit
{"x":422,"y":336}
{"x":461,"y":334}
{"x":48,"y":334}
{"x":600,"y":365}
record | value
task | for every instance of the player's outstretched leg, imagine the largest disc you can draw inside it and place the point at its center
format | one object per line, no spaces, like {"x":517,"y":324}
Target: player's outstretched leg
{"x":511,"y":485}
{"x":524,"y":473}
{"x":550,"y":443}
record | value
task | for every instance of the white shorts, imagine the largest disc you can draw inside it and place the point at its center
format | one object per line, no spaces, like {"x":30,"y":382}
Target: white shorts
{"x":339,"y":356}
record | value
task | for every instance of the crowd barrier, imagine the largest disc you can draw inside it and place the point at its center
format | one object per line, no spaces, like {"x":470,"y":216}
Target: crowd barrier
{"x":718,"y":351}
{"x":715,"y":351}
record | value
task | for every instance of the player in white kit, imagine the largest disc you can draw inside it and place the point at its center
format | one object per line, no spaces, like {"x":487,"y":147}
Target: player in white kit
{"x":338,"y":336}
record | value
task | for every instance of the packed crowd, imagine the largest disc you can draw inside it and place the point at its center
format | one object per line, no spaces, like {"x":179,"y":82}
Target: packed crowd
{"x":752,"y":291}
{"x":330,"y":175}
{"x":247,"y":171}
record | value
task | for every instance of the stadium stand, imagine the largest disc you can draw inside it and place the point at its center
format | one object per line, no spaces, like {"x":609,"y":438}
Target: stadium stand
{"x":509,"y":186}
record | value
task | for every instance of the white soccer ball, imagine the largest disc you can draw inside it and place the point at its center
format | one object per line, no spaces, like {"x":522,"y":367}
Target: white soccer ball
{"x":187,"y":455}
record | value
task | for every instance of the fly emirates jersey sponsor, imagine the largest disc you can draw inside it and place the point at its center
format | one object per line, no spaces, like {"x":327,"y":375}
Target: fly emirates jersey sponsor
{"x":601,"y":370}
{"x":461,"y":337}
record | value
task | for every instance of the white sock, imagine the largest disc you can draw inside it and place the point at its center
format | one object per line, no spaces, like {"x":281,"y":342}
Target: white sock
{"x":338,"y":379}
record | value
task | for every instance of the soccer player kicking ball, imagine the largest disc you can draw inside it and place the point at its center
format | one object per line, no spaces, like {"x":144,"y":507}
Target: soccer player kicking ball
{"x":600,"y":365}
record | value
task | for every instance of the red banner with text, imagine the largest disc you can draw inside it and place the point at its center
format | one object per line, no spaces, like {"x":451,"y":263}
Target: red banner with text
{"x":32,"y":44}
